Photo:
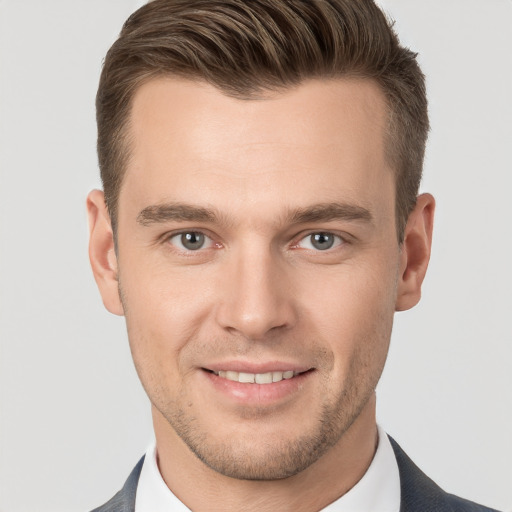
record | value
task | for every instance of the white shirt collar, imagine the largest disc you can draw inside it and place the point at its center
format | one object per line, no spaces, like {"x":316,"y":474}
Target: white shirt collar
{"x":153,"y":495}
{"x":378,"y":490}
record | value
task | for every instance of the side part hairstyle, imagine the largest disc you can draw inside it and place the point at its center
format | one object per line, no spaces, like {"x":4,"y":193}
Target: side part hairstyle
{"x":246,"y":48}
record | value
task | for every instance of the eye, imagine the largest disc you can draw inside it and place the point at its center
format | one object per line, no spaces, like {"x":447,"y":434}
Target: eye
{"x":320,"y":241}
{"x":190,"y":241}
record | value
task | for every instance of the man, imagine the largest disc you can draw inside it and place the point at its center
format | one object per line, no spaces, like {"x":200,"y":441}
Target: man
{"x":259,"y":227}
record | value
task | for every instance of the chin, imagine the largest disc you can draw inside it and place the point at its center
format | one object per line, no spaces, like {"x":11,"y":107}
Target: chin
{"x":243,"y":460}
{"x":260,"y":453}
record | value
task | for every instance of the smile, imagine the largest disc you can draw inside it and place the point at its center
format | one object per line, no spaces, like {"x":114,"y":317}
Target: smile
{"x":256,"y":378}
{"x":262,"y":385}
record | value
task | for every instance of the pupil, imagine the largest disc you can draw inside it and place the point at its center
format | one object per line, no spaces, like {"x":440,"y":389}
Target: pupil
{"x":192,"y":241}
{"x":322,"y":241}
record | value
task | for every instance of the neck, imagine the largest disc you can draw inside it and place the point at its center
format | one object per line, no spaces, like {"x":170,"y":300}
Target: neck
{"x":329,"y":478}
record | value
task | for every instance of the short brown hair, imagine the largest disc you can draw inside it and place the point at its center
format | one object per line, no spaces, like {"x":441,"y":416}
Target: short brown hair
{"x":248,"y":47}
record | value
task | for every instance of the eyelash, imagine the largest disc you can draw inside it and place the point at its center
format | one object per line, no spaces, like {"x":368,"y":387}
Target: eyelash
{"x":184,"y":250}
{"x":340,"y":240}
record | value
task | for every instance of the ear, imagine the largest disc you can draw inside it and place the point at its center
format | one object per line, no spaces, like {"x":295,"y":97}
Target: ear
{"x":415,"y":252}
{"x":102,"y":253}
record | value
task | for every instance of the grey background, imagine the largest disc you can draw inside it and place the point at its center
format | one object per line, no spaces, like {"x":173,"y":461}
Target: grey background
{"x":73,"y":417}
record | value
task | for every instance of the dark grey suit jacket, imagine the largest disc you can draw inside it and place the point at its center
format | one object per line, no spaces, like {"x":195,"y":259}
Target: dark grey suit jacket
{"x":419,"y":493}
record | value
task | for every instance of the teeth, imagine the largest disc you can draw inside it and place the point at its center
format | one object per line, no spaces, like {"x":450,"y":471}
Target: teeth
{"x":263,"y":378}
{"x":258,"y":378}
{"x":246,"y":377}
{"x":277,"y":376}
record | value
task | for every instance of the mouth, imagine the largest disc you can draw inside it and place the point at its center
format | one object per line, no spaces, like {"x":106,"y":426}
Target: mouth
{"x":265,"y":386}
{"x":256,"y":378}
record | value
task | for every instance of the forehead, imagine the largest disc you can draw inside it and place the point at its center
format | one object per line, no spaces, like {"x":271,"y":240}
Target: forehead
{"x":190,"y":141}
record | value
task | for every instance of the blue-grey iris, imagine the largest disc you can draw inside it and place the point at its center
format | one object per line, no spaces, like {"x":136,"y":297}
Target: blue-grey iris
{"x":192,"y":241}
{"x":322,"y":241}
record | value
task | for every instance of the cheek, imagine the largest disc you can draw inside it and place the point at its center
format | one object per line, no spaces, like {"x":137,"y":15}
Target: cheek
{"x":163,"y":312}
{"x":350,"y":296}
{"x":157,"y":296}
{"x":353,"y":312}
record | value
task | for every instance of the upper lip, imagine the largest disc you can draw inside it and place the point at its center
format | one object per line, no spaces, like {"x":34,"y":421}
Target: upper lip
{"x":249,"y":367}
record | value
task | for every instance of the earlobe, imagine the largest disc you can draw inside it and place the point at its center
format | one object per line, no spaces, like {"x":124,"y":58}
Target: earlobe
{"x":415,"y":254}
{"x":102,"y":253}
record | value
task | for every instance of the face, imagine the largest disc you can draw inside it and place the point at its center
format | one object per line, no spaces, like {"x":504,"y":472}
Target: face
{"x":258,"y":267}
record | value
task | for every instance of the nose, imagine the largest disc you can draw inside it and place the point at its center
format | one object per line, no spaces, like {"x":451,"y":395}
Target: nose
{"x":256,"y":298}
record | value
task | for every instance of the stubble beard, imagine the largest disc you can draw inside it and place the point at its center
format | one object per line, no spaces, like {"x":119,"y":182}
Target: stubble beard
{"x":248,"y":459}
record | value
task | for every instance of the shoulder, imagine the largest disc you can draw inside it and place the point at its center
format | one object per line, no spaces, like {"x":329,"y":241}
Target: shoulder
{"x":124,"y":500}
{"x":419,"y":492}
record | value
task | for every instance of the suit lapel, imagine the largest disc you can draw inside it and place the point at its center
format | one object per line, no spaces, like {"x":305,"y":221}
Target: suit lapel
{"x":418,"y":491}
{"x":124,"y":500}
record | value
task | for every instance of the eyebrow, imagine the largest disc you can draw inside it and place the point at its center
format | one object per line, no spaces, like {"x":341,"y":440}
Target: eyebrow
{"x":174,"y":211}
{"x":322,"y":212}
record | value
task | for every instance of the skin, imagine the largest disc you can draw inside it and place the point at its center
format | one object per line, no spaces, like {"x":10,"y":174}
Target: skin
{"x":258,"y":178}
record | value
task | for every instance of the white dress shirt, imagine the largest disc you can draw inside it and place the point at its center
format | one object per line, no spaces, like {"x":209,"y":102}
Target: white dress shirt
{"x":378,"y":490}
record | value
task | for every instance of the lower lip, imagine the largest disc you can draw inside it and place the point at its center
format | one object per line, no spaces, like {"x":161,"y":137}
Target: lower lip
{"x":258,"y":394}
